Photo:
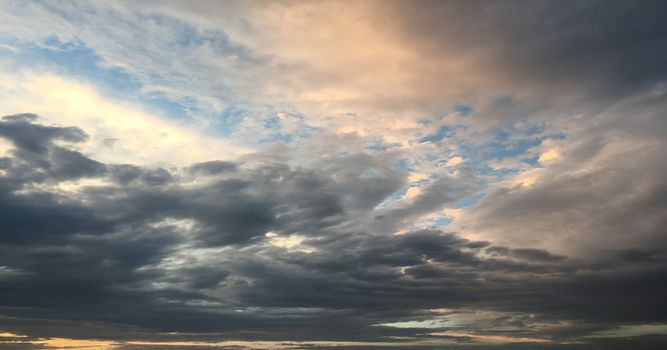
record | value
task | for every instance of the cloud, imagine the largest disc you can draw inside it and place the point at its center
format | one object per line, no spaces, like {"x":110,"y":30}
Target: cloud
{"x":147,"y":138}
{"x":425,"y":57}
{"x":333,"y":175}
{"x":210,"y":249}
{"x":454,"y":161}
{"x":601,"y":193}
{"x":395,"y":62}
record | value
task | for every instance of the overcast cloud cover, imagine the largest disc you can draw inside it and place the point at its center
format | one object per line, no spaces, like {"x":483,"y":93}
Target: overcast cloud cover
{"x":333,"y":175}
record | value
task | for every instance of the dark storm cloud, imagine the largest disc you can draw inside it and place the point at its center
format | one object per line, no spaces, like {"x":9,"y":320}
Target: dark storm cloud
{"x":20,"y":130}
{"x":591,"y":47}
{"x":38,"y":158}
{"x":148,"y":251}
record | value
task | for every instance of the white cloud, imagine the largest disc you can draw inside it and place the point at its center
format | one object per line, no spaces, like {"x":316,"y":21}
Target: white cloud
{"x":119,"y":131}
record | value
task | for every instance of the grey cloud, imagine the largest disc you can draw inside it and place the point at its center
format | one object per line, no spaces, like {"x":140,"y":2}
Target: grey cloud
{"x":164,"y":255}
{"x":444,"y":192}
{"x":19,"y":129}
{"x":578,"y":53}
{"x":38,"y":157}
{"x":606,"y":191}
{"x":212,"y":167}
{"x":523,"y":253}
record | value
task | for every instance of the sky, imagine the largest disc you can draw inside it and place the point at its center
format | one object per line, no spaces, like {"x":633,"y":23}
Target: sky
{"x":465,"y":175}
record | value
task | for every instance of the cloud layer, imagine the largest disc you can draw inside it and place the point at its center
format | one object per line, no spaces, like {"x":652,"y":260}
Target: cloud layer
{"x":333,"y":174}
{"x":212,"y":248}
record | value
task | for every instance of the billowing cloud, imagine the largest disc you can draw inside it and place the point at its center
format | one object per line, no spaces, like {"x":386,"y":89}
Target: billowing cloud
{"x":333,"y":175}
{"x":197,"y":250}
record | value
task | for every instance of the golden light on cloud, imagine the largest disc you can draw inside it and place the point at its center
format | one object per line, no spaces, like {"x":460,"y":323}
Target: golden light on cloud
{"x":493,"y":338}
{"x":78,"y":344}
{"x":412,"y":192}
{"x":11,"y":335}
{"x":294,"y":344}
{"x":452,"y":213}
{"x":549,"y":156}
{"x":454,"y":161}
{"x":473,"y":236}
{"x":527,"y":178}
{"x":416,"y":177}
{"x":242,"y":344}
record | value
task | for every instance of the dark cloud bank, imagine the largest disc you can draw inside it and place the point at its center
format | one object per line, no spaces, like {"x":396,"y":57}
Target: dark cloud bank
{"x":148,"y":251}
